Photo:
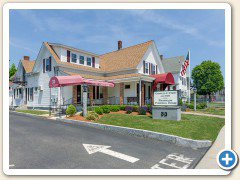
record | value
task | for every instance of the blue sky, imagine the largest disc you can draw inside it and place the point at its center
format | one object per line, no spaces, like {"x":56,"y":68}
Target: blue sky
{"x":97,"y":31}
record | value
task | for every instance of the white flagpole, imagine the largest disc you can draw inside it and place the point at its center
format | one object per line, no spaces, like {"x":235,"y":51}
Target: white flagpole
{"x":189,"y":77}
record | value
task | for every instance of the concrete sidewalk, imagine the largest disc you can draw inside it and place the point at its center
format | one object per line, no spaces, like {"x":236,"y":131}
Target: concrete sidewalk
{"x":209,"y":159}
{"x":202,"y":114}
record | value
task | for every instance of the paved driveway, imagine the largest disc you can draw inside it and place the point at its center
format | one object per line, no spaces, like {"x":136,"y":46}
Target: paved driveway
{"x":40,"y":143}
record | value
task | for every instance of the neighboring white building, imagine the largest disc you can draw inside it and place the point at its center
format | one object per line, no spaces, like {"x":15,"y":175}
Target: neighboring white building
{"x":132,"y":70}
{"x":175,"y":66}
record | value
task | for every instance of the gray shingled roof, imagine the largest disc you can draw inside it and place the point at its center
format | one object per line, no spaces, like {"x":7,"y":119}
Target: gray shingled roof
{"x":173,"y":64}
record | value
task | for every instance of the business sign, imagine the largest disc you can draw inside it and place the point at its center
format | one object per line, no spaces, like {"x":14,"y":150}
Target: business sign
{"x":166,"y":98}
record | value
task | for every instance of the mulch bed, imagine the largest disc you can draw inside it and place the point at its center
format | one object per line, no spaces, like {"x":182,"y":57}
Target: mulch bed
{"x":81,"y":118}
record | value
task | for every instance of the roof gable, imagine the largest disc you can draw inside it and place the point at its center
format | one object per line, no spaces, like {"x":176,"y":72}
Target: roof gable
{"x":173,"y":64}
{"x":28,"y":65}
{"x":124,"y":58}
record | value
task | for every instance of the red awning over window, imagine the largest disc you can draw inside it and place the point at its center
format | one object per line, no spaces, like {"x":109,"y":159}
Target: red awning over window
{"x":162,"y":78}
{"x":58,"y":81}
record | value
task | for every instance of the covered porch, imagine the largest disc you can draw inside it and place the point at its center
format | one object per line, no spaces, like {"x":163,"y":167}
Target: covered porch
{"x":136,"y":90}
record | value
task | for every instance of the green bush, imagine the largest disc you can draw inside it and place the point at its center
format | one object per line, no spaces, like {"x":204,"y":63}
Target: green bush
{"x":142,"y":110}
{"x":202,"y":105}
{"x":180,"y":102}
{"x":99,"y":110}
{"x":114,"y":108}
{"x":93,"y":114}
{"x":122,"y":107}
{"x":71,"y":110}
{"x":135,"y":108}
{"x":106,"y":109}
{"x":91,"y":117}
{"x":191,"y":106}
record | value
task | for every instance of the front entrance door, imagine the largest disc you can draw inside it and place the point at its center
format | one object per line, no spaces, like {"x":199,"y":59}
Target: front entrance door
{"x":79,"y":93}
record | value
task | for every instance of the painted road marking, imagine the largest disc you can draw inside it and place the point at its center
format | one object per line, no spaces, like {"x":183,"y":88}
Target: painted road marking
{"x":175,"y":160}
{"x":11,"y":165}
{"x":92,"y":148}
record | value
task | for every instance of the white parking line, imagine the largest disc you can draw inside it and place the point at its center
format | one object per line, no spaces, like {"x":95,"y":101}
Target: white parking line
{"x":11,"y":165}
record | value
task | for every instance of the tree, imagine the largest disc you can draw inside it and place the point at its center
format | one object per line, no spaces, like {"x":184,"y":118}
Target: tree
{"x":12,"y":70}
{"x":207,"y":78}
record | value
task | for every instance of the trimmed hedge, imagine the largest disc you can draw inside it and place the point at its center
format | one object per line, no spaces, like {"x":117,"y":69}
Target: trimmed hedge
{"x":106,"y":109}
{"x":99,"y":110}
{"x":142,"y":110}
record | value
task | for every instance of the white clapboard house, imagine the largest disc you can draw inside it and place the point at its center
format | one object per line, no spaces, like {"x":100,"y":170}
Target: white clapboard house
{"x":135,"y":73}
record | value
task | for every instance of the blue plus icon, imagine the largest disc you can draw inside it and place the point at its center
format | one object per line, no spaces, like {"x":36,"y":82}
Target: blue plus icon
{"x":227,"y":159}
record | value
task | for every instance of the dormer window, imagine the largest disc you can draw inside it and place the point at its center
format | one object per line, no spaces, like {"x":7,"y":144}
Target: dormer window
{"x":81,"y":60}
{"x":74,"y":58}
{"x":89,"y":61}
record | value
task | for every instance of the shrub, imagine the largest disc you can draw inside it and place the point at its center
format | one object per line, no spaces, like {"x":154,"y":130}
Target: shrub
{"x":135,"y":108}
{"x":106,"y":109}
{"x":142,"y":110}
{"x":191,"y":106}
{"x":93,"y":114}
{"x":91,"y":117}
{"x":99,"y":110}
{"x":71,"y":110}
{"x":122,"y":107}
{"x":129,"y":109}
{"x":114,"y":108}
{"x":180,"y":102}
{"x":202,"y":105}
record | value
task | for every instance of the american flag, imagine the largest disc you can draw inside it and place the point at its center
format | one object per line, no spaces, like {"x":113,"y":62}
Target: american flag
{"x":186,"y":63}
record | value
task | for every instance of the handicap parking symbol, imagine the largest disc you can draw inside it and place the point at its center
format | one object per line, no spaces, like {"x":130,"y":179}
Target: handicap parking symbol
{"x":227,"y":159}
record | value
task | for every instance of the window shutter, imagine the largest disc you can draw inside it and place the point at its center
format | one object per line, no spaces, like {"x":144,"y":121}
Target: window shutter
{"x":150,"y":68}
{"x":93,"y":62}
{"x":44,"y":67}
{"x":50,"y":63}
{"x":68,"y":56}
{"x":144,"y":70}
{"x":14,"y":93}
{"x":156,"y":69}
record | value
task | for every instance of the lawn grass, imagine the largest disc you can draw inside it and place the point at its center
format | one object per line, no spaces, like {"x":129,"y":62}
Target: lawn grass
{"x":193,"y":127}
{"x":215,"y":111}
{"x":36,"y":112}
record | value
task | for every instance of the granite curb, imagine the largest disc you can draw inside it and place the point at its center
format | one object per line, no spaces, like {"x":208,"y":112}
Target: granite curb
{"x":195,"y":144}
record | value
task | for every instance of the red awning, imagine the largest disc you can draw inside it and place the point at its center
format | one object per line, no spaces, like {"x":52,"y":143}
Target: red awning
{"x":162,"y":78}
{"x":58,"y":81}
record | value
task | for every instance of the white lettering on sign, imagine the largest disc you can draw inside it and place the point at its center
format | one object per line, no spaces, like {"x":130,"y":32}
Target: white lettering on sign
{"x":166,"y":98}
{"x":175,"y":160}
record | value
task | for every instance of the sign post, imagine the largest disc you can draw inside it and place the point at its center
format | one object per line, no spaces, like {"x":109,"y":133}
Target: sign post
{"x":166,"y":105}
{"x":84,"y":100}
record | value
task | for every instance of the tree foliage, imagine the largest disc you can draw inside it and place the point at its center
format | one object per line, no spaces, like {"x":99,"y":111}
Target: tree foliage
{"x":207,"y":78}
{"x":12,"y":70}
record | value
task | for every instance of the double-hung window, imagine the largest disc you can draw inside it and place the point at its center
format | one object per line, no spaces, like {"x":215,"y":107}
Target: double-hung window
{"x":81,"y":60}
{"x":47,"y":64}
{"x":74,"y":58}
{"x":153,"y":69}
{"x":89,"y":61}
{"x":146,"y":68}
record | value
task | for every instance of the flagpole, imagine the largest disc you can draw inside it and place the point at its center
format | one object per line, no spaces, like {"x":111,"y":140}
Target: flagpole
{"x":189,"y":93}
